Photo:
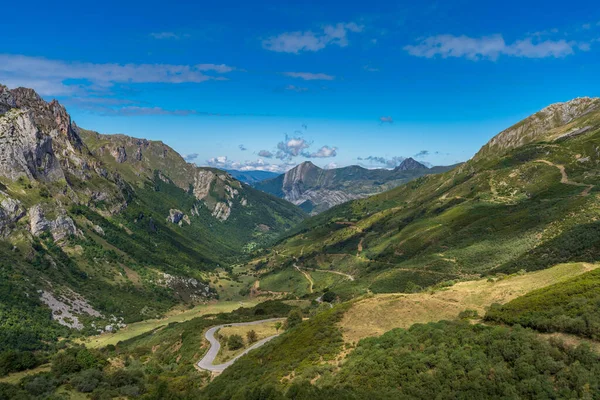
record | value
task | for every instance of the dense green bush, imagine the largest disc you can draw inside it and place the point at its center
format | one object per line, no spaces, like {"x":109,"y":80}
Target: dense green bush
{"x":235,"y":342}
{"x":445,"y":360}
{"x":300,"y":349}
{"x":572,"y":306}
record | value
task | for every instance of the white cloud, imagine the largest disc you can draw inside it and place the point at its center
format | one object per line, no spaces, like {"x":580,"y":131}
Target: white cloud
{"x":50,"y":77}
{"x":386,"y":120}
{"x":260,"y":164}
{"x":190,"y":157}
{"x":331,"y":165}
{"x":323,"y":152}
{"x":291,"y":147}
{"x":381,"y":161}
{"x":265,"y":154}
{"x":490,"y":47}
{"x":309,"y":76}
{"x":219,"y":68}
{"x":296,"y":42}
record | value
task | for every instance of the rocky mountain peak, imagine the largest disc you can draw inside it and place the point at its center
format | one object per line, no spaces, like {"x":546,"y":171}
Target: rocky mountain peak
{"x":409,"y":164}
{"x":299,"y":173}
{"x":537,"y":126}
{"x":7,"y":100}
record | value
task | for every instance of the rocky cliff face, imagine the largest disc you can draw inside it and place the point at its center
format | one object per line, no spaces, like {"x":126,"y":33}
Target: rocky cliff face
{"x":539,"y":125}
{"x":410,"y":164}
{"x":91,"y":216}
{"x":316,"y":190}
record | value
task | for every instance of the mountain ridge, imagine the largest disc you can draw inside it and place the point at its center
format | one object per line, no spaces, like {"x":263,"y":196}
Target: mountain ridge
{"x":111,"y":229}
{"x":513,"y":206}
{"x":315,"y":189}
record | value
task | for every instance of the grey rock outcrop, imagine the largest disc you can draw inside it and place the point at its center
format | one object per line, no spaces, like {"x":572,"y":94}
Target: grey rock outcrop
{"x":222,"y":211}
{"x":178,"y":217}
{"x":536,"y":126}
{"x":25,"y":151}
{"x":119,"y":154}
{"x":175,"y":216}
{"x":7,"y":101}
{"x":60,"y":228}
{"x":10,"y":212}
{"x":202,"y":181}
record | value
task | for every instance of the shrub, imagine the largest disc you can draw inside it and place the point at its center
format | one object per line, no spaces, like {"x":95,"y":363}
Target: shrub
{"x":235,"y":342}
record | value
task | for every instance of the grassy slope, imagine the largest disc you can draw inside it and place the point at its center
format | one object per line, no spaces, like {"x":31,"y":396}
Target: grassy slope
{"x":377,"y":314}
{"x":569,"y":307}
{"x":139,"y":328}
{"x":262,"y":331}
{"x":490,"y":215}
{"x":443,"y":359}
{"x":126,"y":246}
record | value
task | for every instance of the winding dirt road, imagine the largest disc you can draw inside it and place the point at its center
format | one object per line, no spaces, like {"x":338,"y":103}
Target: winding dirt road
{"x":206,"y":362}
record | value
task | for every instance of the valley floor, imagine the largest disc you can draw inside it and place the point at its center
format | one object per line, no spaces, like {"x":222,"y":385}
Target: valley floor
{"x":139,"y":328}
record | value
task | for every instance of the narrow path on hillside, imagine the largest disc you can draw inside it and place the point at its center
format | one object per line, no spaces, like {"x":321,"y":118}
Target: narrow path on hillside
{"x":206,"y":362}
{"x":360,"y":247}
{"x":350,"y":277}
{"x":307,"y":276}
{"x":565,"y":178}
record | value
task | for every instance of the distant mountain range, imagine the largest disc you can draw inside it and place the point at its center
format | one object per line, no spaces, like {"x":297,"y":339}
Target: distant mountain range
{"x":315,"y":189}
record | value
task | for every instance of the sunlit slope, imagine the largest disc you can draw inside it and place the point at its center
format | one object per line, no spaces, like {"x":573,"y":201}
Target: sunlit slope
{"x":524,"y":207}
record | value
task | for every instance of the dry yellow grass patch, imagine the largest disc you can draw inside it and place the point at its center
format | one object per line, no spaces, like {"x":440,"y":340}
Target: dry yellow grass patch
{"x":378,"y":314}
{"x":263,"y":330}
{"x":16,"y":377}
{"x":176,"y":315}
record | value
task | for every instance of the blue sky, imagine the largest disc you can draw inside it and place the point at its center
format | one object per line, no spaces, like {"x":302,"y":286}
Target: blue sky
{"x":269,"y":84}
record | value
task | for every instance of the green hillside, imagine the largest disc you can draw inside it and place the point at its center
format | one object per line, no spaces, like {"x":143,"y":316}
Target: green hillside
{"x":568,"y":307}
{"x":98,"y":231}
{"x":526,"y":207}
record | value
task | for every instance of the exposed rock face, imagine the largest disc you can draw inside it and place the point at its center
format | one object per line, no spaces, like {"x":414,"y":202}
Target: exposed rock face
{"x":409,"y":164}
{"x":119,"y":154}
{"x":323,"y":197}
{"x":298,"y":187}
{"x":536,"y":126}
{"x":187,"y":288}
{"x":178,"y":217}
{"x":7,"y":101}
{"x":65,"y":309}
{"x":24,"y":150}
{"x":10,"y":212}
{"x":222,"y":211}
{"x":60,"y":228}
{"x":202,"y":182}
{"x":316,"y":190}
{"x":50,"y":117}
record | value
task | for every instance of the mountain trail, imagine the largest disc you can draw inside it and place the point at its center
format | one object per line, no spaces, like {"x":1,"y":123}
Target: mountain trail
{"x":350,"y":277}
{"x":307,"y":276}
{"x":565,"y":178}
